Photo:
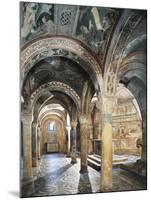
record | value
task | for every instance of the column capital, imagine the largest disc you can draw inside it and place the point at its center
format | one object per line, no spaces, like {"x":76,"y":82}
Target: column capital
{"x":34,"y":124}
{"x":108,"y":103}
{"x":74,"y":124}
{"x":83,"y":119}
{"x":68,"y":128}
{"x":26,"y":117}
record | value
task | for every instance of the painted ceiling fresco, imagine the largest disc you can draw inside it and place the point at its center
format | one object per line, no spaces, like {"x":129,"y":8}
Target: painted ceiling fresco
{"x":91,"y":25}
{"x":98,"y":29}
{"x":53,"y":69}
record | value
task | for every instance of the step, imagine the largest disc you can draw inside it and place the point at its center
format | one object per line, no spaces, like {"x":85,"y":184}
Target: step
{"x":94,"y":158}
{"x":94,"y":161}
{"x":98,"y":156}
{"x":94,"y":164}
{"x":131,"y":167}
{"x":118,"y":159}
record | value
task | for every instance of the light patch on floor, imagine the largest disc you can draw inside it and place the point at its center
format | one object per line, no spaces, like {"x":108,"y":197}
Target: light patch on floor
{"x":57,"y":176}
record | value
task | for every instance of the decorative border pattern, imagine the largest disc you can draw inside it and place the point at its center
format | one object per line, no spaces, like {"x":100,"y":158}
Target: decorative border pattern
{"x":116,"y":59}
{"x":57,"y":86}
{"x":43,"y":46}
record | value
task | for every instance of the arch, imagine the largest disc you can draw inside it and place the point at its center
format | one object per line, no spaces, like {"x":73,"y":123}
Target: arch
{"x":51,"y":117}
{"x":44,"y":47}
{"x":57,"y":113}
{"x":116,"y":50}
{"x":62,"y":125}
{"x":47,"y":102}
{"x":56,"y":86}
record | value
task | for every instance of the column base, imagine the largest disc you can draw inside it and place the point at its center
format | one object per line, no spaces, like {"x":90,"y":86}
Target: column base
{"x":106,"y":188}
{"x":73,"y":161}
{"x":68,"y":155}
{"x":141,"y":166}
{"x":34,"y":162}
{"x":27,"y":180}
{"x":83,"y":170}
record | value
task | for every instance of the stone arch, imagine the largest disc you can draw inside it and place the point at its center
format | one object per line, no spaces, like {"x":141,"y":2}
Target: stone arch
{"x":46,"y":103}
{"x":44,"y":47}
{"x":59,"y":120}
{"x":58,"y":113}
{"x":56,"y":86}
{"x":116,"y":50}
{"x":50,"y":116}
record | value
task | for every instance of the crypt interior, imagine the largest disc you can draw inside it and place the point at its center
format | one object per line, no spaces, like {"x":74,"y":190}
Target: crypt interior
{"x":83,"y":99}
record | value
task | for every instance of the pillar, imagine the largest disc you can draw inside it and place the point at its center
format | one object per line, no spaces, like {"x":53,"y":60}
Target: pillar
{"x":106,"y":162}
{"x":73,"y":148}
{"x":27,"y":146}
{"x":34,"y":144}
{"x":90,"y":139}
{"x":68,"y":128}
{"x":144,"y":138}
{"x":142,"y":163}
{"x":38,"y":143}
{"x":97,"y":121}
{"x":83,"y":119}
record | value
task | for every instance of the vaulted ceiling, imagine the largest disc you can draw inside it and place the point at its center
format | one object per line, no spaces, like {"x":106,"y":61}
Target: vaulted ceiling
{"x":55,"y":69}
{"x":104,"y":32}
{"x":91,"y":25}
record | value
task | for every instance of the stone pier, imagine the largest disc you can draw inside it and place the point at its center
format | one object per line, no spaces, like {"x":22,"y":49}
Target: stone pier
{"x":34,"y":144}
{"x":68,"y":128}
{"x":73,"y":148}
{"x":106,"y":162}
{"x":27,"y":147}
{"x":83,"y":119}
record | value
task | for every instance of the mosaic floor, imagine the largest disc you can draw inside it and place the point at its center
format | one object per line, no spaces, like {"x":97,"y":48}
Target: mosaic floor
{"x":57,"y":176}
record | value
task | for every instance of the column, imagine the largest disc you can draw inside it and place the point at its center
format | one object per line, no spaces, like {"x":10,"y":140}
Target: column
{"x":83,"y":119}
{"x":27,"y":146}
{"x":68,"y":128}
{"x":90,"y":139}
{"x":97,"y":121}
{"x":73,"y":148}
{"x":106,"y":162}
{"x":142,"y":163}
{"x":38,"y":143}
{"x":34,"y":144}
{"x":144,"y":137}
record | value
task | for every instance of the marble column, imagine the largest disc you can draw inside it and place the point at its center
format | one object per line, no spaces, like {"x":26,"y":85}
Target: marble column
{"x":27,"y":147}
{"x":83,"y":119}
{"x":34,"y":144}
{"x":73,"y":148}
{"x":68,"y":128}
{"x":106,"y":161}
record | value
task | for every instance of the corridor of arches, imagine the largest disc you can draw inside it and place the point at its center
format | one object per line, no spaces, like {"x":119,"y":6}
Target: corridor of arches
{"x":83,"y":100}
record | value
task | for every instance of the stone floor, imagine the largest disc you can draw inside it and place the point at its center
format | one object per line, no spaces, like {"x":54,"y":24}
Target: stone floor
{"x":57,"y":176}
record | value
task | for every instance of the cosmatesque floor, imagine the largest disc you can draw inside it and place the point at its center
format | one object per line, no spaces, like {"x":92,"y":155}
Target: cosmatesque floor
{"x":57,"y":176}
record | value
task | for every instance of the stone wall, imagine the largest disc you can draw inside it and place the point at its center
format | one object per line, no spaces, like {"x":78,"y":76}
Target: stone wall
{"x":125,"y":137}
{"x":126,"y":129}
{"x":58,"y":136}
